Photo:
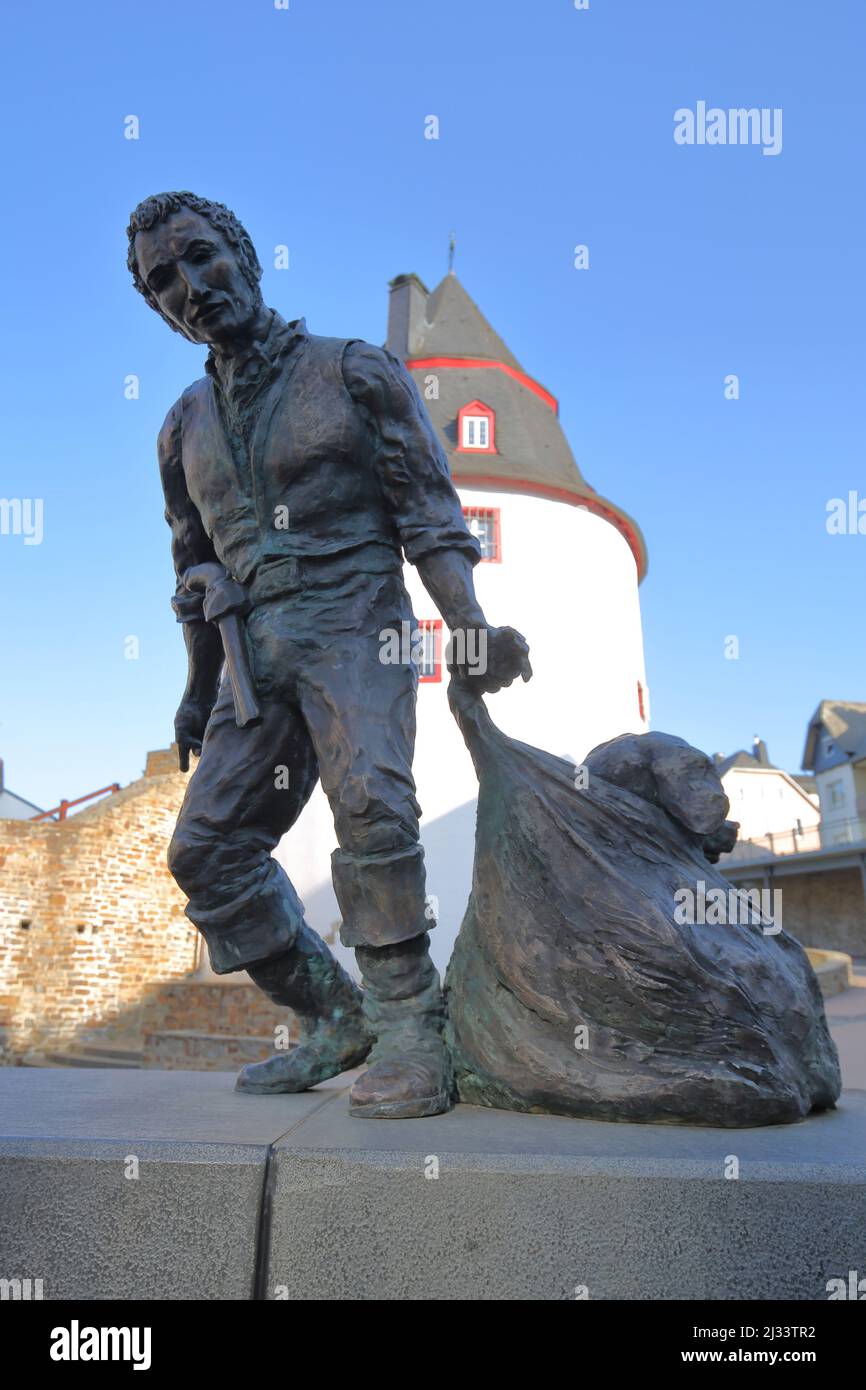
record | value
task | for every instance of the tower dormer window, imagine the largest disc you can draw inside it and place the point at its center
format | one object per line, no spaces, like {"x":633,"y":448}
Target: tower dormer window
{"x":475,"y":428}
{"x":476,"y":431}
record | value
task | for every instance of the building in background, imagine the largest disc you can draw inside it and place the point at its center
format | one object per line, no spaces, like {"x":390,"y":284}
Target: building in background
{"x":775,"y":809}
{"x":560,"y":563}
{"x":836,"y":752}
{"x":820,"y":869}
{"x":14,"y":807}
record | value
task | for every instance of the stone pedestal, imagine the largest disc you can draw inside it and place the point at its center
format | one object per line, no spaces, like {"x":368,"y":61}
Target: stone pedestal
{"x":287,"y":1197}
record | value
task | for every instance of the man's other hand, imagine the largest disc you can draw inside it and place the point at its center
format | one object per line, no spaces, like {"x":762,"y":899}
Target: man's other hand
{"x":190,"y":723}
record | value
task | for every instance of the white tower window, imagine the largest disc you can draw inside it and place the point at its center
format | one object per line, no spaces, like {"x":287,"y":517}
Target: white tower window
{"x":430,"y":665}
{"x":483,"y":524}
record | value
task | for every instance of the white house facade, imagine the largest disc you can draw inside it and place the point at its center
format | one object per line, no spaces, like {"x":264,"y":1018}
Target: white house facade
{"x":836,"y":751}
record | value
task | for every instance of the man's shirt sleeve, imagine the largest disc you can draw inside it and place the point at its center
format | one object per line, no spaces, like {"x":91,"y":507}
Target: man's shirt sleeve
{"x":190,"y":543}
{"x":412,"y":465}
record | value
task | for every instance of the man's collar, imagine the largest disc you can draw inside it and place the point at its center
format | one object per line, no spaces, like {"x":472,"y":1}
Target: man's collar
{"x":280,"y":338}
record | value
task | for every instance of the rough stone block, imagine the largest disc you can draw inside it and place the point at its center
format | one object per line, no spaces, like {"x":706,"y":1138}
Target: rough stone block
{"x":543,"y":1207}
{"x":288,"y":1197}
{"x":187,"y":1227}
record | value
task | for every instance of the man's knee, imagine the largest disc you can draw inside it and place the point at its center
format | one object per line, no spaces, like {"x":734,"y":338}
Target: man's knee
{"x":189,"y":858}
{"x":375,"y":821}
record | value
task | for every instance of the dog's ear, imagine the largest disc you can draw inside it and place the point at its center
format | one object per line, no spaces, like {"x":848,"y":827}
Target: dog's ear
{"x":689,"y":787}
{"x":625,"y":761}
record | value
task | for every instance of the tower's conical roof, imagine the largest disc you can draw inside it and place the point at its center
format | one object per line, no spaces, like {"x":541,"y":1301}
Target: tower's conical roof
{"x":454,"y":323}
{"x":445,"y":333}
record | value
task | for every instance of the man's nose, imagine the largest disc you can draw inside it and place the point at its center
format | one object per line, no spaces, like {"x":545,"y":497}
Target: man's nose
{"x":195,"y":286}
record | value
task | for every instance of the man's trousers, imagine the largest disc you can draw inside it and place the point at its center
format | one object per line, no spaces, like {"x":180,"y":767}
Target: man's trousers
{"x":331,"y":709}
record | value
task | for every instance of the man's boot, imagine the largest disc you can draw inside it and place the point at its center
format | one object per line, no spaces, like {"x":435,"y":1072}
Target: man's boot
{"x":334,"y":1034}
{"x":409,"y":1072}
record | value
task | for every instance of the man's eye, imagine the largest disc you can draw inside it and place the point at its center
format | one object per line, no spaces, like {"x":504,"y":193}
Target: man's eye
{"x":201,"y":253}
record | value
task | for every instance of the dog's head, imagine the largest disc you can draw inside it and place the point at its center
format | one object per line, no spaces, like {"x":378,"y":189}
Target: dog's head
{"x":668,"y":772}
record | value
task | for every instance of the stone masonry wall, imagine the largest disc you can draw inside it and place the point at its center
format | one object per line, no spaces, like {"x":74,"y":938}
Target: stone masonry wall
{"x":232,"y":1005}
{"x":90,"y":916}
{"x":826,"y":910}
{"x":212,"y":1025}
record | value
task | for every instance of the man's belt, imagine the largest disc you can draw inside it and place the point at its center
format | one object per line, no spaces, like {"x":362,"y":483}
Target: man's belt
{"x":285,"y":575}
{"x":279,"y":578}
{"x":225,"y":602}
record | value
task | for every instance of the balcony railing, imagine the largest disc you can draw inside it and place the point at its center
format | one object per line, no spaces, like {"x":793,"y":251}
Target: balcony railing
{"x":828,"y":835}
{"x":60,"y":812}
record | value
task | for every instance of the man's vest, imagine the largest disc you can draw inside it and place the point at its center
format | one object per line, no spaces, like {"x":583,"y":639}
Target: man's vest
{"x":306,"y":485}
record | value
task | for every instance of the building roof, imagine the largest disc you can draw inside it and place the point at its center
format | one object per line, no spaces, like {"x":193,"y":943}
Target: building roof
{"x":453,"y":323}
{"x":758,"y":761}
{"x":14,"y":807}
{"x":758,"y":758}
{"x":444,"y":332}
{"x":845,"y":721}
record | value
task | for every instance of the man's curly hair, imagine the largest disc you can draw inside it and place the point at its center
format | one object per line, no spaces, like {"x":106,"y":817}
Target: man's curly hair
{"x":160,"y":206}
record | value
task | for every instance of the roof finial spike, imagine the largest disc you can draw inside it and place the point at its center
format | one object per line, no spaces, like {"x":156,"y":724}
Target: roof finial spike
{"x":451,"y":245}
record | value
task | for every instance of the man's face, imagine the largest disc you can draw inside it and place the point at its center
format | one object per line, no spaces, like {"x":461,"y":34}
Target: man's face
{"x":196,"y":278}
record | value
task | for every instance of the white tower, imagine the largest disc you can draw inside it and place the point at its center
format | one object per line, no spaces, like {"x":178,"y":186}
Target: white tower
{"x":561,"y":564}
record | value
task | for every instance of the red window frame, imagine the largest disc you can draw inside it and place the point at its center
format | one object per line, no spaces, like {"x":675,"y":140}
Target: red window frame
{"x":433,"y":625}
{"x":477,"y":408}
{"x":493,"y":512}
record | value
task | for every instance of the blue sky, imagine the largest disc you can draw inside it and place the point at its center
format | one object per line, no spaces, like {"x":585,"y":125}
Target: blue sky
{"x":556,"y":128}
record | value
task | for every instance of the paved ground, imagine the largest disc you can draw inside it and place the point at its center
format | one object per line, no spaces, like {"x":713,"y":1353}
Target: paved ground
{"x":846,"y":1014}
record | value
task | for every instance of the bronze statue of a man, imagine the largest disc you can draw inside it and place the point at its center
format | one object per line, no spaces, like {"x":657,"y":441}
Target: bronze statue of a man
{"x":298,"y":472}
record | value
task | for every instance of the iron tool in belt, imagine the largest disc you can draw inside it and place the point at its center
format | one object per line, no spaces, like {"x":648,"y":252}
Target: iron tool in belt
{"x":225,"y":603}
